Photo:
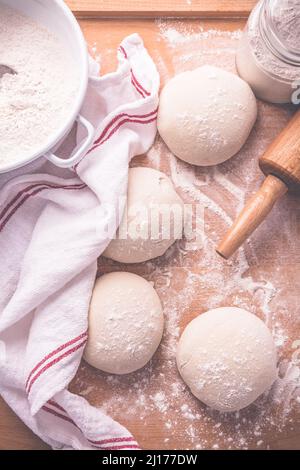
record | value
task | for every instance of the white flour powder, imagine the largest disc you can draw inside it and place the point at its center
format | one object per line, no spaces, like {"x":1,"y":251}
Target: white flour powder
{"x":287,"y":22}
{"x":36,"y":101}
{"x":287,"y":26}
{"x":271,"y":77}
{"x":191,"y":278}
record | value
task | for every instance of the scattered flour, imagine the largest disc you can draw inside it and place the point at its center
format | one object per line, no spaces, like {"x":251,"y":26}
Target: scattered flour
{"x":35,"y":102}
{"x":286,"y":21}
{"x":95,"y":54}
{"x":191,"y":278}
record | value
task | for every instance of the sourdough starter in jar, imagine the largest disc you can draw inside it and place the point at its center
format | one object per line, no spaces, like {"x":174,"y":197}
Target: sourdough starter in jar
{"x":268,"y":56}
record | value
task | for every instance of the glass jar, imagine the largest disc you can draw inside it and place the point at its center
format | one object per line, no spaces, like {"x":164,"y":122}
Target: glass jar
{"x":268,"y":56}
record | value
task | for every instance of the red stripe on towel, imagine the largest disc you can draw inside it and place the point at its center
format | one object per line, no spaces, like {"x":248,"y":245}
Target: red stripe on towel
{"x":102,"y":139}
{"x":125,"y":121}
{"x":113,"y":439}
{"x":104,"y":441}
{"x":135,"y":80}
{"x":42,"y":187}
{"x":56,"y":405}
{"x":58,"y":415}
{"x":54,"y":362}
{"x":119,"y":116}
{"x":136,"y":83}
{"x":124,"y":52}
{"x":57,"y":350}
{"x":137,"y":89}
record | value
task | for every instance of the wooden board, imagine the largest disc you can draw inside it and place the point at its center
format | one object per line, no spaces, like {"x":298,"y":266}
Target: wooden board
{"x":263,"y":254}
{"x":155,"y":8}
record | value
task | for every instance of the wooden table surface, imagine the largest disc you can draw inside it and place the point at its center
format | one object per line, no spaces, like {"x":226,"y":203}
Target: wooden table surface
{"x":262,"y":256}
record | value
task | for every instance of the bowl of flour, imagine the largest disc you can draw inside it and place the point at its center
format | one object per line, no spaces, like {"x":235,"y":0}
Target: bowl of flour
{"x":42,"y":42}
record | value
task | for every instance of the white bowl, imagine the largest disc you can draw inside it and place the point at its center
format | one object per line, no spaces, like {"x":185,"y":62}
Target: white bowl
{"x":58,"y":18}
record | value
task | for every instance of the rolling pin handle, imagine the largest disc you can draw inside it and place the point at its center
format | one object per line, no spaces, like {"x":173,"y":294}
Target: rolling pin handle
{"x":253,"y":215}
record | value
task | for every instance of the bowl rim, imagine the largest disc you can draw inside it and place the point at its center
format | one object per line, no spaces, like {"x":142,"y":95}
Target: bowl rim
{"x":58,"y":136}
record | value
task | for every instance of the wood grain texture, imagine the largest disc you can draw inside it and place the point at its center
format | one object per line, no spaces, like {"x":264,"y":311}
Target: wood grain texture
{"x":14,"y":434}
{"x":253,"y":215}
{"x":154,"y":8}
{"x":281,"y":164}
{"x":283,"y":157}
{"x":152,"y":434}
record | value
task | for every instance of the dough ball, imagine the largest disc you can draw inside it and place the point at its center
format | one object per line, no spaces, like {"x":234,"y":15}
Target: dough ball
{"x":206,"y":115}
{"x":125,"y":323}
{"x":152,"y":221}
{"x":227,"y":357}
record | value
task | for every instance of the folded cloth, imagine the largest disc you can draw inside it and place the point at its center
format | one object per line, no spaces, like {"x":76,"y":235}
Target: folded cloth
{"x":54,"y":224}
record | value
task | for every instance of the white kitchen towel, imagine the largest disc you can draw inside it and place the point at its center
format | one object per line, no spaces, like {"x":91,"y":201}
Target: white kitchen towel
{"x":54,"y":224}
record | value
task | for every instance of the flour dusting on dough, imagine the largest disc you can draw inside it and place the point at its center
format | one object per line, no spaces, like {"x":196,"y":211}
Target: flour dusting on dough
{"x":191,"y":277}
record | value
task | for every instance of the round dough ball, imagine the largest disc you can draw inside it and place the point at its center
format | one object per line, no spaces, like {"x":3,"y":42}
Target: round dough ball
{"x":125,"y":323}
{"x":206,"y":115}
{"x":141,"y":237}
{"x":228,"y":358}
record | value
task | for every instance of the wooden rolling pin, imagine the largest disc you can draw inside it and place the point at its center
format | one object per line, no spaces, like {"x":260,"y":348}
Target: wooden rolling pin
{"x":281,"y":165}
